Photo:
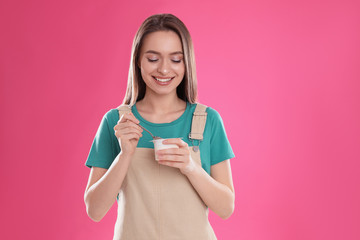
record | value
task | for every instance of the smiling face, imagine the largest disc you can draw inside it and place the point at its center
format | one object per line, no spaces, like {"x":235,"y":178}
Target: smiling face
{"x":161,"y":62}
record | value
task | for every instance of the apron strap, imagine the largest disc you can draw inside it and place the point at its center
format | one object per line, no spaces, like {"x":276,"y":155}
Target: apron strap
{"x":198,"y":122}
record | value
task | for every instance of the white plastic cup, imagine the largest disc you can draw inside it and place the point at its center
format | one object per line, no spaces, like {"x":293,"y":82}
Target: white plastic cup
{"x":158,"y":145}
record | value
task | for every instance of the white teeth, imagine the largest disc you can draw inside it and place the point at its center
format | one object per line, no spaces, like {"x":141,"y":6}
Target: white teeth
{"x":163,"y":80}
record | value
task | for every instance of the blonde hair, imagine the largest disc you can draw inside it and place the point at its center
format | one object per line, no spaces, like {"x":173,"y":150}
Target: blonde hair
{"x":187,"y":90}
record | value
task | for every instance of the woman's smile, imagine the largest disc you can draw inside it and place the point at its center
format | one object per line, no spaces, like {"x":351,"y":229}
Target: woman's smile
{"x":163,"y":81}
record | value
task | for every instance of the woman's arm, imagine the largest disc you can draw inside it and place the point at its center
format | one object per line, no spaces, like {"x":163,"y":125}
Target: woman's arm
{"x":103,"y":187}
{"x":217,"y":190}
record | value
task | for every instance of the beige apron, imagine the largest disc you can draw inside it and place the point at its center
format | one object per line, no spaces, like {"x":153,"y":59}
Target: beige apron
{"x":158,"y":202}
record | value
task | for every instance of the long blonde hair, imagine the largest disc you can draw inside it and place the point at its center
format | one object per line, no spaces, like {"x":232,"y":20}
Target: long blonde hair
{"x":187,"y":90}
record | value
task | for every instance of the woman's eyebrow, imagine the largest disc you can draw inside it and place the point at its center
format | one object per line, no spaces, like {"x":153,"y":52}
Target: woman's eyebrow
{"x":155,"y":52}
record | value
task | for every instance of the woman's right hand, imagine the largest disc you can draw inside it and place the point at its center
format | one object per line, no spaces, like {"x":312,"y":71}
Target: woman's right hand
{"x":128,"y":132}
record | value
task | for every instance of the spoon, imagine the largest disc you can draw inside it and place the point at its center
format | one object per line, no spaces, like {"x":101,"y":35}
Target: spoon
{"x":154,"y":137}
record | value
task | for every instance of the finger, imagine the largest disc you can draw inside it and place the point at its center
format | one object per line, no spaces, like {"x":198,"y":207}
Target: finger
{"x":172,"y":158}
{"x":129,"y":131}
{"x":123,"y":118}
{"x":128,"y":116}
{"x":133,"y":118}
{"x":131,"y":136}
{"x":176,"y":141}
{"x":171,"y":163}
{"x":176,"y":151}
{"x":119,"y":131}
{"x":128,"y":124}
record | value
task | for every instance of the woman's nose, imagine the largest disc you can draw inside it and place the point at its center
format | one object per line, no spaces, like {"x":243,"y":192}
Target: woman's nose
{"x":163,"y":68}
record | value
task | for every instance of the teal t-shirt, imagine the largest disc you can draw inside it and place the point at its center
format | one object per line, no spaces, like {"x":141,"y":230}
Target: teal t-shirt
{"x":214,"y":148}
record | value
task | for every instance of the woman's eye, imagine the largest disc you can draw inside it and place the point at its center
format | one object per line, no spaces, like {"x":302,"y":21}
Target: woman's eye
{"x":152,"y":60}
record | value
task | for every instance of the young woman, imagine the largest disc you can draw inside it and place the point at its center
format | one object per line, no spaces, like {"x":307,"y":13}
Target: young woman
{"x":168,"y":198}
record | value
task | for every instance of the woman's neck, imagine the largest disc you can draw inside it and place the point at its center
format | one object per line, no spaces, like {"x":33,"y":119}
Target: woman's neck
{"x":161,"y":104}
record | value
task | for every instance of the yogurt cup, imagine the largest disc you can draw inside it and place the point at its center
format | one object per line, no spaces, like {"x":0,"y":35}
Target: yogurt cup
{"x":158,"y":145}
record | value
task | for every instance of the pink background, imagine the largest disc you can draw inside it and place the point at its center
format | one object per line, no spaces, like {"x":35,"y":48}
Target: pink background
{"x":284,"y":75}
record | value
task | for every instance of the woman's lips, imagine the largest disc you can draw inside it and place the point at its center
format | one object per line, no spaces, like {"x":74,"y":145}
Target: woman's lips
{"x":163,"y":81}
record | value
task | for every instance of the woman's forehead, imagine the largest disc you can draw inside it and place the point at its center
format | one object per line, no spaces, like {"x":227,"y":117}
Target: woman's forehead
{"x":162,"y":42}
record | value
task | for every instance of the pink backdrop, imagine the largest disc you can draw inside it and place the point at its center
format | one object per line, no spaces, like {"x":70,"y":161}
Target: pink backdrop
{"x":284,"y":75}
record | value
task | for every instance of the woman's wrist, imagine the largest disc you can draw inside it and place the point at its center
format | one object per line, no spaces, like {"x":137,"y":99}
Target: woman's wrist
{"x":126,"y":155}
{"x":192,"y":170}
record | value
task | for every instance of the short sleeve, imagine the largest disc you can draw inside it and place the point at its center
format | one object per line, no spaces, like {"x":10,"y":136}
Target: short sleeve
{"x":220,"y":148}
{"x":102,"y":150}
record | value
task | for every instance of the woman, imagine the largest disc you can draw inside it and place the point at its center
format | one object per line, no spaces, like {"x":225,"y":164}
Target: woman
{"x":168,"y":198}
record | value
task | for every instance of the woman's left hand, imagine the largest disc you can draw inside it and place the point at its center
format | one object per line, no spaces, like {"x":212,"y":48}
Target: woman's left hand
{"x":177,"y":157}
